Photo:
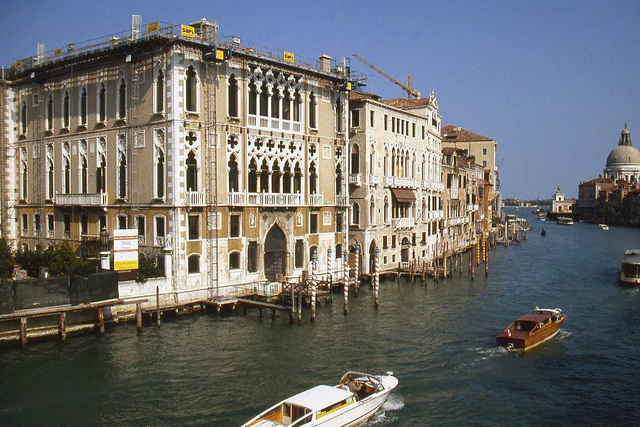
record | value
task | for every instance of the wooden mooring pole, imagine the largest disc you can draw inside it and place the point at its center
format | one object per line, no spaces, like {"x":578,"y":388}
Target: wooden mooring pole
{"x":139,"y":316}
{"x":158,"y":305}
{"x":314,"y":264}
{"x":346,"y":282}
{"x":62,"y":328}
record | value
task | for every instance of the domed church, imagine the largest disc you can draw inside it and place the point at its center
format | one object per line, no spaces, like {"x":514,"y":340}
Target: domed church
{"x":624,"y":160}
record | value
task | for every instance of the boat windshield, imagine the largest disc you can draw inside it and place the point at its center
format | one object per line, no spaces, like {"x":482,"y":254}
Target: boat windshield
{"x":524,"y":325}
{"x":631,"y":270}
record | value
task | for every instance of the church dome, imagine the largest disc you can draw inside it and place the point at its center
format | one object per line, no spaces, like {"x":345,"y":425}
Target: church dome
{"x":624,"y":153}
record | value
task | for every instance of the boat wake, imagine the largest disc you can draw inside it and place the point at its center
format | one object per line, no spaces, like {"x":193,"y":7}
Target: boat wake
{"x":562,"y":334}
{"x":386,"y":413}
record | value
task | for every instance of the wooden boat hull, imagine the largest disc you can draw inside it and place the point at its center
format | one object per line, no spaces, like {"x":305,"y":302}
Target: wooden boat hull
{"x":529,"y":331}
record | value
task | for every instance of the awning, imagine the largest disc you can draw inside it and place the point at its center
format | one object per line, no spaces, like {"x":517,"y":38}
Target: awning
{"x":403,"y":196}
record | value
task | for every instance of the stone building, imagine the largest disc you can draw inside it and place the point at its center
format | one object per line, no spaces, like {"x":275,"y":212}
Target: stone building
{"x":484,"y":151}
{"x":224,"y":159}
{"x":395,"y":185}
{"x":623,"y":162}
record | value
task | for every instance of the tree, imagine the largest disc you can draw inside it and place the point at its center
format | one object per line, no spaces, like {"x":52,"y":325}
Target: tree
{"x":6,"y":260}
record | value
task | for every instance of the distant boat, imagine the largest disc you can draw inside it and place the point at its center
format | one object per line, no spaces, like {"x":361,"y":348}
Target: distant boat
{"x":630,"y":270}
{"x":356,"y":398}
{"x":532,"y":329}
{"x":543,"y":232}
{"x":603,"y":226}
{"x":565,"y":220}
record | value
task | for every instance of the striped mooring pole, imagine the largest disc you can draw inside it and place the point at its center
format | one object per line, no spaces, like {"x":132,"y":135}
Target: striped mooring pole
{"x":346,"y":282}
{"x":376,"y":279}
{"x":329,"y":272}
{"x":314,"y":265}
{"x":356,"y":267}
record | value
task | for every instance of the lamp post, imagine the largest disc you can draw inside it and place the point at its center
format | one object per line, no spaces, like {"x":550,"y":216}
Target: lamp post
{"x":105,"y":261}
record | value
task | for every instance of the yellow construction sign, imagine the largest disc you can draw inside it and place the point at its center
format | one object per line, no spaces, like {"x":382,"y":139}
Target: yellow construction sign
{"x":153,"y":27}
{"x":187,"y":31}
{"x":288,"y":56}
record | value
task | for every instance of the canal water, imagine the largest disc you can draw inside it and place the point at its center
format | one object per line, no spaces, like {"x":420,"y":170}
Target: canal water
{"x":438,"y":339}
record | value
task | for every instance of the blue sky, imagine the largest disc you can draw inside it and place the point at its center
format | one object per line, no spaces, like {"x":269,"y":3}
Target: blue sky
{"x":552,"y":81}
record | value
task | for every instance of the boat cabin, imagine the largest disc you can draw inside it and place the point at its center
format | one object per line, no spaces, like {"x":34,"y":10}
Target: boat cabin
{"x":529,"y":322}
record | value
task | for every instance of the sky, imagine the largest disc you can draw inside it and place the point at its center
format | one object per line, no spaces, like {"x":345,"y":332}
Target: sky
{"x":552,"y":81}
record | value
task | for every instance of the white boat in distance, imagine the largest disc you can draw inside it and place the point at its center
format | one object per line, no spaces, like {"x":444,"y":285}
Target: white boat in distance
{"x":355,"y":399}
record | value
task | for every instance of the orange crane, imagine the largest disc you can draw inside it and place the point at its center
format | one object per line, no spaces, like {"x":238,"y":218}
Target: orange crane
{"x":411,"y":92}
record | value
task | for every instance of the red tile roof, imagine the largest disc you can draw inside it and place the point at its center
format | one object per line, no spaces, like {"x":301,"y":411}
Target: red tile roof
{"x":356,"y":95}
{"x":407,"y":103}
{"x":452,"y":133}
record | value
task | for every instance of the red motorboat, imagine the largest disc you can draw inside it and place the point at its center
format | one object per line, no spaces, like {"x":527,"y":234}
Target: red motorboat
{"x":532,"y":329}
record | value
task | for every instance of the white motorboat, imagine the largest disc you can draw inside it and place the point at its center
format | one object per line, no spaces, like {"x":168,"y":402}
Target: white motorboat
{"x":630,"y":270}
{"x":603,"y":226}
{"x":355,"y":399}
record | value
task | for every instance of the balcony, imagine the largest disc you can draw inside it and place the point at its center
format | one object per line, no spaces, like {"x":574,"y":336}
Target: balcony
{"x":354,"y":178}
{"x":86,"y":200}
{"x":472,"y":208}
{"x":374,"y":179}
{"x":265,"y":199}
{"x":195,"y":198}
{"x":403,"y":222}
{"x":273,"y":123}
{"x":316,"y":199}
{"x":401,"y":181}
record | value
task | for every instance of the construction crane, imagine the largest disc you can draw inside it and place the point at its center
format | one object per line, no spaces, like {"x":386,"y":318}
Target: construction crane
{"x":411,"y":92}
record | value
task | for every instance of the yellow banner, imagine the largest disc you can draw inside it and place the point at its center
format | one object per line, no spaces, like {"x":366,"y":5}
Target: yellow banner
{"x":288,"y":56}
{"x":187,"y":31}
{"x":153,"y":27}
{"x":125,"y":265}
{"x":57,"y":52}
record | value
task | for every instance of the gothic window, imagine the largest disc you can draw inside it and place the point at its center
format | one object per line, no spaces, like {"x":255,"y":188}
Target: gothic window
{"x":83,"y":174}
{"x":253,"y":177}
{"x":313,"y":111}
{"x":50,"y":179}
{"x":102,"y":103}
{"x":23,"y":176}
{"x":297,"y":179}
{"x":83,"y":106}
{"x":297,"y":100}
{"x":101,"y":174}
{"x":122,"y":170}
{"x":313,"y":179}
{"x":338,"y":180}
{"x":264,"y":177}
{"x":253,"y":98}
{"x":66,"y":182}
{"x":286,"y":105}
{"x":275,"y":178}
{"x":49,"y":123}
{"x":286,"y":179}
{"x":23,"y":118}
{"x":159,"y":83}
{"x":339,"y":115}
{"x":159,"y":165}
{"x":275,"y":104}
{"x":233,"y":96}
{"x":264,"y":100}
{"x":355,"y":214}
{"x":233,"y":173}
{"x":192,"y":172}
{"x":66,"y":110}
{"x":122,"y":100}
{"x":372,"y":212}
{"x":386,"y":210}
{"x":355,"y":159}
{"x":191,"y":90}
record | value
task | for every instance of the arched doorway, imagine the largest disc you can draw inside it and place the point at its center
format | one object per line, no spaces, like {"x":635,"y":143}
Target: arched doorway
{"x":404,"y":251}
{"x":275,"y":254}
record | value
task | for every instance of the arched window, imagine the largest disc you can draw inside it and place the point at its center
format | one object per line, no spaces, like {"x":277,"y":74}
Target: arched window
{"x":275,"y":178}
{"x":233,"y":173}
{"x":194,"y":263}
{"x":50,"y":180}
{"x":372,"y":212}
{"x":233,"y":96}
{"x":66,"y":164}
{"x":312,"y":111}
{"x":102,"y":103}
{"x":264,"y":177}
{"x":101,"y":174}
{"x":66,"y":110}
{"x":252,"y":181}
{"x":122,"y":100}
{"x":297,"y":179}
{"x":275,"y":104}
{"x":286,"y":179}
{"x":264,"y":100}
{"x":23,"y":118}
{"x":339,"y":115}
{"x":253,"y":98}
{"x":83,"y":106}
{"x":355,"y":214}
{"x":355,"y":159}
{"x":192,"y":172}
{"x":23,"y":178}
{"x":83,"y":175}
{"x":286,"y":105}
{"x":159,"y":92}
{"x":49,"y":123}
{"x":386,"y":210}
{"x":191,"y":90}
{"x":297,"y":100}
{"x":122,"y":176}
{"x":386,"y":162}
{"x":159,"y":164}
{"x":338,"y":180}
{"x":313,"y":179}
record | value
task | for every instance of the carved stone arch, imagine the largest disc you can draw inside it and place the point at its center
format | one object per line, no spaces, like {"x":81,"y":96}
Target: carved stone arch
{"x":275,"y":253}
